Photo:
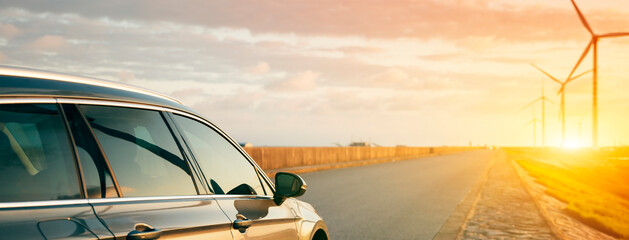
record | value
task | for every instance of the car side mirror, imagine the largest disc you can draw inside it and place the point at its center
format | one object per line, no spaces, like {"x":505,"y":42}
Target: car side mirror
{"x":288,"y":185}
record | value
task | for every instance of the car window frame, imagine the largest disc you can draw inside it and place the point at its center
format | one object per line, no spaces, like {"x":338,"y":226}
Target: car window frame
{"x":259,"y":172}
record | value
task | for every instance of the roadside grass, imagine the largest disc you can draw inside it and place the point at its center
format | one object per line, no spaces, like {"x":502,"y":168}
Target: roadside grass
{"x":594,"y":185}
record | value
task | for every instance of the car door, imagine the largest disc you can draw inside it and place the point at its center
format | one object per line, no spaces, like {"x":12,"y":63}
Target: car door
{"x":237,"y":184}
{"x":153,"y":192}
{"x":41,"y":195}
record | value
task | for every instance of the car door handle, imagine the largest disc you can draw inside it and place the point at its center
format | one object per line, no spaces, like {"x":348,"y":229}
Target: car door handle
{"x":242,"y":222}
{"x":144,"y":232}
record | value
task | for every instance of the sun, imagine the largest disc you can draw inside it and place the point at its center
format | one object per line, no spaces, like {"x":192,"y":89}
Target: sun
{"x":572,"y":144}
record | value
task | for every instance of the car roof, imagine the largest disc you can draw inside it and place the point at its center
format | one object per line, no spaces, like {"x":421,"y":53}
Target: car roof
{"x":24,"y":82}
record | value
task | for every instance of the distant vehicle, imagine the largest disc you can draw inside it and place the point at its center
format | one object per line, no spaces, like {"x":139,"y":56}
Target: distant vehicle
{"x":360,"y":144}
{"x":89,"y":159}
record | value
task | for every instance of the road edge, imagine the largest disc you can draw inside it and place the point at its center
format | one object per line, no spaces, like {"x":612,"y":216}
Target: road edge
{"x":457,"y":221}
{"x":540,"y":208}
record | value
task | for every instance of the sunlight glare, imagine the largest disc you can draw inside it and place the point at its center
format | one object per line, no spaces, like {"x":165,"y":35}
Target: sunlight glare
{"x":572,"y":144}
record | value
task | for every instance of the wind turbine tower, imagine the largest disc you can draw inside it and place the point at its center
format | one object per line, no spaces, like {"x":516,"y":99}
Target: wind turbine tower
{"x":543,"y":99}
{"x":562,"y":103}
{"x":534,"y":122}
{"x":594,"y":44}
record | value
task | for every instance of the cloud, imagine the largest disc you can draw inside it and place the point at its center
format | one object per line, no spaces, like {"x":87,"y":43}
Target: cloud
{"x":48,"y":43}
{"x":303,"y":81}
{"x":440,"y":56}
{"x":463,"y":57}
{"x":476,"y":43}
{"x":361,"y":101}
{"x":375,"y":19}
{"x":9,"y":30}
{"x":391,"y":77}
{"x":272,"y":45}
{"x":260,"y":68}
{"x":125,"y":76}
{"x":186,"y":92}
{"x":3,"y":58}
{"x":382,"y":101}
{"x":398,"y":78}
{"x":352,"y":50}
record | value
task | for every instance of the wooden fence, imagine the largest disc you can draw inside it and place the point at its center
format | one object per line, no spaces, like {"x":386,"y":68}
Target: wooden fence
{"x":270,"y":158}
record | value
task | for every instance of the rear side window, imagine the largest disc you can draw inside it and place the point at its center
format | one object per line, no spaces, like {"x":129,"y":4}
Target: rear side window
{"x":142,"y":152}
{"x":226,"y":169}
{"x":36,"y":161}
{"x":96,"y":175}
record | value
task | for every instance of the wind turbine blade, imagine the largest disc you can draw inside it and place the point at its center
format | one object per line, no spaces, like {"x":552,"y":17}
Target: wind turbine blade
{"x":551,"y":101}
{"x":547,"y":74}
{"x":577,"y":76}
{"x":531,"y":103}
{"x":585,"y":22}
{"x":585,"y":52}
{"x":617,"y":34}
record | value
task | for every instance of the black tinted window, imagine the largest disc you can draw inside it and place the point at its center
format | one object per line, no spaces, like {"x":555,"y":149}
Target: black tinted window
{"x":141,"y":151}
{"x":226,"y":169}
{"x":36,"y":162}
{"x":96,"y":175}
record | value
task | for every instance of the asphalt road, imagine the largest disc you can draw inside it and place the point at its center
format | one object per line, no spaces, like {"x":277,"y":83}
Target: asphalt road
{"x":408,"y":199}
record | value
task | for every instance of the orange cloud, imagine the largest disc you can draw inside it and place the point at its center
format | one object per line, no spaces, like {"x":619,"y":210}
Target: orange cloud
{"x":260,"y":68}
{"x":303,"y":81}
{"x":351,"y":50}
{"x":49,"y":43}
{"x":391,"y":77}
{"x":9,"y":30}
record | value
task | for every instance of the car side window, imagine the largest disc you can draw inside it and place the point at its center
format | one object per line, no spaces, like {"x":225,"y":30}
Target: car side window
{"x":36,"y":160}
{"x":141,"y":150}
{"x":225,"y":168}
{"x":96,"y":175}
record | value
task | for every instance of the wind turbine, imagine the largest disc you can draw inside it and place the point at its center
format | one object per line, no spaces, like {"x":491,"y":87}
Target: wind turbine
{"x":562,"y":106}
{"x":543,"y":99}
{"x":534,"y":121}
{"x":593,"y":43}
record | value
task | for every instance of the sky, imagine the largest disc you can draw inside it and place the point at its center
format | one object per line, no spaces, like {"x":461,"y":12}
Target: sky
{"x":322,"y":73}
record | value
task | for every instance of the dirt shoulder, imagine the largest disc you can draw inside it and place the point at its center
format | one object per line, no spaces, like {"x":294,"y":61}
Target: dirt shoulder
{"x":504,"y":209}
